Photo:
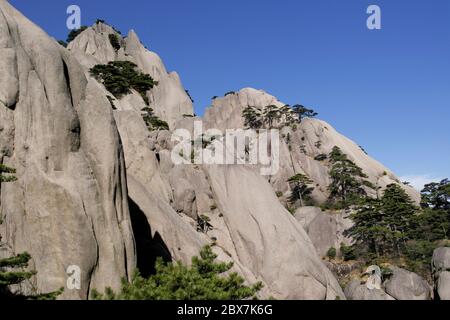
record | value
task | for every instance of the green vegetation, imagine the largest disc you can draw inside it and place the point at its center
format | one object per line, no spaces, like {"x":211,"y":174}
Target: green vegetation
{"x":347,"y":180}
{"x":6,"y":174}
{"x":203,"y":224}
{"x":301,"y":112}
{"x":74,"y":33}
{"x":394,"y":228}
{"x":189,"y":95}
{"x":347,"y":252}
{"x":301,"y":190}
{"x":331,"y":253}
{"x":152,"y":121}
{"x":252,"y":118}
{"x":12,"y":269}
{"x":119,"y":77}
{"x":272,"y":117}
{"x":206,"y":279}
{"x":114,"y":40}
{"x":321,"y":157}
{"x":12,"y":273}
{"x":62,"y":43}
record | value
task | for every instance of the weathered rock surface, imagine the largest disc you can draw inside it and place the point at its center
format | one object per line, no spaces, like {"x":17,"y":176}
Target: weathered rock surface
{"x":357,"y":291}
{"x":441,"y":273}
{"x":267,"y":234}
{"x":96,"y":189}
{"x":324,"y":228}
{"x":298,"y":154}
{"x":406,"y":285}
{"x":168,"y":99}
{"x":69,"y":205}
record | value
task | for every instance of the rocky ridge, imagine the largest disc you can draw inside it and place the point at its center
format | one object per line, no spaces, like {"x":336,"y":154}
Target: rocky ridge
{"x":90,"y":172}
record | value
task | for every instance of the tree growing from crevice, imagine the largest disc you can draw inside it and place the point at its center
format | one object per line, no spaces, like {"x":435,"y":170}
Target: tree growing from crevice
{"x":271,"y":114}
{"x":114,"y":40}
{"x":119,"y":77}
{"x":152,"y":121}
{"x":347,"y":179}
{"x":300,"y":189}
{"x":302,"y":112}
{"x":204,"y":224}
{"x":7,"y":174}
{"x":252,"y":118}
{"x":205,"y":279}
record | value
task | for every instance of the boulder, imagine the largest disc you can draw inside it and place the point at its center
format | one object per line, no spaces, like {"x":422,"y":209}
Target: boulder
{"x":441,"y":273}
{"x":355,"y":290}
{"x":406,"y":285}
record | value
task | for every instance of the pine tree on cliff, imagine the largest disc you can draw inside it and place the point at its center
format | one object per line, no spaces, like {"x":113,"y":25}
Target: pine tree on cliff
{"x":347,"y":179}
{"x":272,"y":114}
{"x":303,"y":112}
{"x":6,"y":174}
{"x":301,"y":190}
{"x":252,"y":118}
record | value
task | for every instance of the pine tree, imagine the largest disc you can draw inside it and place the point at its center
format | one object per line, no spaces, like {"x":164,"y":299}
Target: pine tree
{"x":301,"y":190}
{"x":152,"y":121}
{"x":437,"y":195}
{"x":369,"y":229}
{"x":303,"y":112}
{"x":434,"y":223}
{"x":12,"y":273}
{"x":205,"y":279}
{"x":347,"y":179}
{"x":119,"y":77}
{"x":399,"y":214}
{"x":6,"y":174}
{"x":271,"y":115}
{"x":252,"y":118}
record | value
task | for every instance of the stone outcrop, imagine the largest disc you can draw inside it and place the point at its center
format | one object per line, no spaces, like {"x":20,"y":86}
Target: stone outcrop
{"x":406,"y":285}
{"x":441,"y":273}
{"x":299,"y":152}
{"x":98,"y":190}
{"x":324,"y":228}
{"x":168,"y":99}
{"x":357,"y":291}
{"x":70,"y":204}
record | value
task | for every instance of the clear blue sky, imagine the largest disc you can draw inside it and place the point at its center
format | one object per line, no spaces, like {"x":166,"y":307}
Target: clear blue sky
{"x":388,"y":90}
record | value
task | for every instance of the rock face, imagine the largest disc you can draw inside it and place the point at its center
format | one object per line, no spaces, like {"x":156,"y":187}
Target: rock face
{"x":69,"y":205}
{"x":98,"y":190}
{"x":406,"y":285}
{"x":441,"y":273}
{"x":169,"y":99}
{"x":325,"y":229}
{"x":298,"y":154}
{"x":357,"y":291}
